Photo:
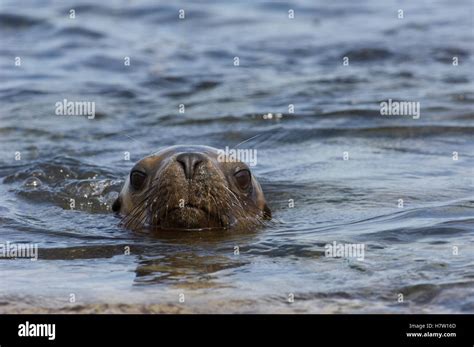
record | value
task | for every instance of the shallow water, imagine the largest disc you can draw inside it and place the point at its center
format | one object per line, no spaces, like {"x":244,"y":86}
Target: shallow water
{"x":409,"y":249}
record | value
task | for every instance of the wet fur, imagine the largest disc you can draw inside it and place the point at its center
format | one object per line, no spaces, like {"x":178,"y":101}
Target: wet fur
{"x":211,"y":200}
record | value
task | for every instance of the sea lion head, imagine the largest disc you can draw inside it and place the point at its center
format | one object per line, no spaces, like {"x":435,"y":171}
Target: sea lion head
{"x":191,"y":188}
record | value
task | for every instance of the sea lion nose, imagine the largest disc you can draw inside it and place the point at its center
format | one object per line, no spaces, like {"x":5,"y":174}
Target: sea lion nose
{"x":189,"y":162}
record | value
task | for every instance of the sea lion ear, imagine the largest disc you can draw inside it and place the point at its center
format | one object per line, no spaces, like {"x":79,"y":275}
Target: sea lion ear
{"x":116,"y":205}
{"x":267,"y":213}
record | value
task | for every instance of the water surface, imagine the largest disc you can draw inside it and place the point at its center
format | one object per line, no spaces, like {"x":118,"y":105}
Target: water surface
{"x":82,"y":250}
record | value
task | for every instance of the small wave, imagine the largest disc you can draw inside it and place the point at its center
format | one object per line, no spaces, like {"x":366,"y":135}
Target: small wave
{"x":20,"y":94}
{"x":80,"y":32}
{"x":410,"y":234}
{"x":57,"y":170}
{"x":425,"y":293}
{"x":105,"y":63}
{"x":367,"y":54}
{"x":446,"y":54}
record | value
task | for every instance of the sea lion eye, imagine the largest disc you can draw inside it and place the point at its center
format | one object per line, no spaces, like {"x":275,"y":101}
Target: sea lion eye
{"x":243,"y":178}
{"x":137,"y":178}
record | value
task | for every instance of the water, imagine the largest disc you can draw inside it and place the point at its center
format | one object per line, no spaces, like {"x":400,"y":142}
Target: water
{"x":410,"y":250}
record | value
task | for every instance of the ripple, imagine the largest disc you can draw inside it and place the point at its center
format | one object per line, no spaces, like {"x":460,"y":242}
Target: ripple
{"x":80,"y":32}
{"x":367,"y":54}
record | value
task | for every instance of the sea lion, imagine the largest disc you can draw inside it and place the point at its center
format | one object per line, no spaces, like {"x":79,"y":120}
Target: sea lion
{"x":191,"y":188}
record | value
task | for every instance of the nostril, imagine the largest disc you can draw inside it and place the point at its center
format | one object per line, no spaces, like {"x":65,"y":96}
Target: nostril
{"x":196,"y":164}
{"x":189,"y":162}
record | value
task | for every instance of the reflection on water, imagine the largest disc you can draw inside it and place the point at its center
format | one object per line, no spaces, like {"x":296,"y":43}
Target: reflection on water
{"x":405,"y":190}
